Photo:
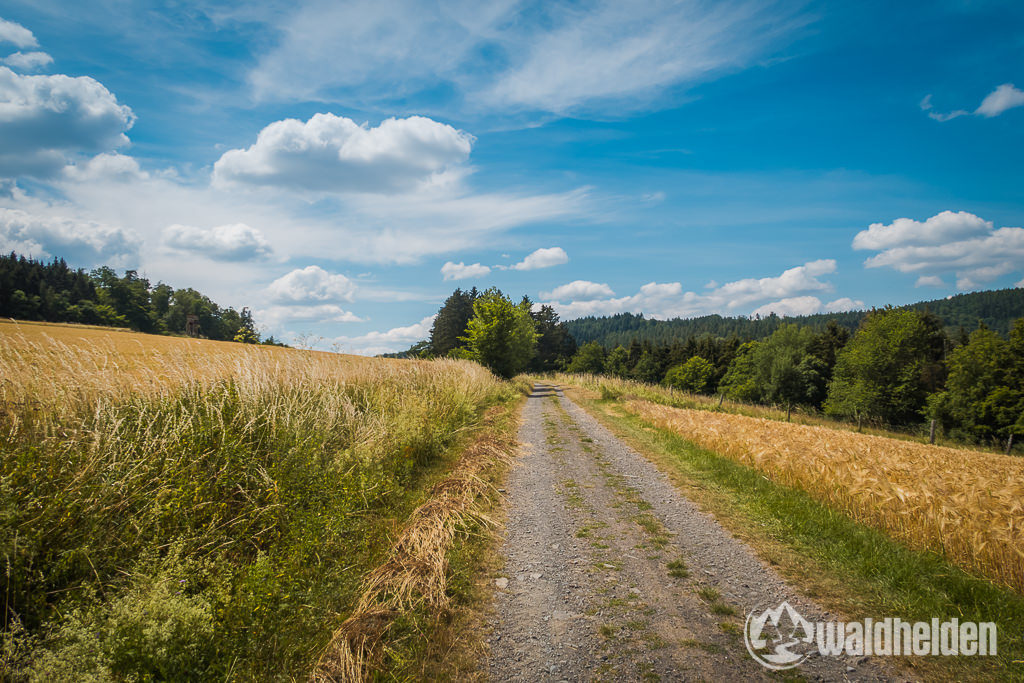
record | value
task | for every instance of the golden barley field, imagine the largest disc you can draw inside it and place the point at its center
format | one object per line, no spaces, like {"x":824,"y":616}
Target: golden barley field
{"x":62,"y":367}
{"x":966,"y":505}
{"x":51,"y":363}
{"x":209,"y":509}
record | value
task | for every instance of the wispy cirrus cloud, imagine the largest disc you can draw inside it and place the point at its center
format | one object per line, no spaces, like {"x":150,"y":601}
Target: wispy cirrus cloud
{"x":1003,"y":98}
{"x":515,"y":55}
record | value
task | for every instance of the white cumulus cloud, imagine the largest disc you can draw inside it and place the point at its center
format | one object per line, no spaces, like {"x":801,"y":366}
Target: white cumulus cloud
{"x":334,"y":153}
{"x":806,"y":305}
{"x":668,"y":299}
{"x":28,"y":61}
{"x":796,"y":305}
{"x":107,"y":166}
{"x":542,"y":258}
{"x":975,"y":277}
{"x":799,"y":279}
{"x":578,"y":290}
{"x":234,"y":242}
{"x":929,"y":281}
{"x":461,"y":271}
{"x":16,"y":34}
{"x":80,"y":242}
{"x":276,"y":316}
{"x":311,"y":285}
{"x":843,"y":304}
{"x":44,"y":117}
{"x":389,"y":341}
{"x":943,"y":227}
{"x":961,"y":243}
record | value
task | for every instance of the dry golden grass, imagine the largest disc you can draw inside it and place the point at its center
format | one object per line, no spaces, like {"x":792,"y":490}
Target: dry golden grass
{"x":58,"y":369}
{"x":118,"y":445}
{"x":52,"y":363}
{"x":966,"y":505}
{"x":416,"y":572}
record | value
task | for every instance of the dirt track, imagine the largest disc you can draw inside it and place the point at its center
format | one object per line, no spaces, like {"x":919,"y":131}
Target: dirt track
{"x":611,"y":574}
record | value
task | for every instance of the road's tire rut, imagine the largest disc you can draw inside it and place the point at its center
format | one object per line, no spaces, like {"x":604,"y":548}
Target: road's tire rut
{"x":611,"y":574}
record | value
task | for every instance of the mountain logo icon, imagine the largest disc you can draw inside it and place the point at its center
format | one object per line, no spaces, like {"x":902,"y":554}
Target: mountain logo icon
{"x":778,"y":638}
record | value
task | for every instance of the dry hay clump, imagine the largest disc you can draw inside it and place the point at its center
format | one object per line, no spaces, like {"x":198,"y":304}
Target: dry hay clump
{"x":415,"y":575}
{"x":966,"y":505}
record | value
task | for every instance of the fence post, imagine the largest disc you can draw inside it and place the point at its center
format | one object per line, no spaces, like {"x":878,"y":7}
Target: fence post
{"x":931,"y":433}
{"x":721,"y":397}
{"x":1009,"y":444}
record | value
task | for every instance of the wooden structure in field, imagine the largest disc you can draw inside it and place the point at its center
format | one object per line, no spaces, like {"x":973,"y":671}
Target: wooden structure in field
{"x":192,"y":325}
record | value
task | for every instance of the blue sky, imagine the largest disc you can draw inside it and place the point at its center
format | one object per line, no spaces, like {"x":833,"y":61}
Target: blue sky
{"x":341,"y":167}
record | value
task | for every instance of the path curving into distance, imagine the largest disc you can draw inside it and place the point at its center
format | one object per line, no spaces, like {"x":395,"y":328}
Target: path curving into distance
{"x":612,"y":574}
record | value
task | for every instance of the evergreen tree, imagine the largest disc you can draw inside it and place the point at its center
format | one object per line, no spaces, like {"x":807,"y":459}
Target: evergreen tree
{"x":449,"y":328}
{"x":555,"y":346}
{"x":34,"y":290}
{"x":247,"y":329}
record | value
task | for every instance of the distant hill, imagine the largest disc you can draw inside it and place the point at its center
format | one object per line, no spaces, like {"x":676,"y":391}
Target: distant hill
{"x":997,"y":309}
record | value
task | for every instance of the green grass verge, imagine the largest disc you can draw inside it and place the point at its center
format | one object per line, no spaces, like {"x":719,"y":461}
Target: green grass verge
{"x":214,"y":532}
{"x":447,"y":644}
{"x":844,"y":565}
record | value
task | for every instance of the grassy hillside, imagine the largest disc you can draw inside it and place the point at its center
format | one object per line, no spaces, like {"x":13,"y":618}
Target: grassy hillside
{"x":996,"y":309}
{"x":181,"y":508}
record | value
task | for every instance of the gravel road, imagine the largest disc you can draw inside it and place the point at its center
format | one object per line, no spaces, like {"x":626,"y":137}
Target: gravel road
{"x":612,"y":574}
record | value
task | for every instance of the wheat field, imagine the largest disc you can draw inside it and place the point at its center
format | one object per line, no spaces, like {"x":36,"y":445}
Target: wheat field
{"x":177,"y":508}
{"x":966,"y":505}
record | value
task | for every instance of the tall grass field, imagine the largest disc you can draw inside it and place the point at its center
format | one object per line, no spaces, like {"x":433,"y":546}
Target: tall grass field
{"x":177,"y":508}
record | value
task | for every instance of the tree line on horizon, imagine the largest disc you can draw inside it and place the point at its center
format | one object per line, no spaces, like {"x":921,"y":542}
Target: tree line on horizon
{"x":996,"y":309}
{"x":899,"y":368}
{"x":54,"y":292}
